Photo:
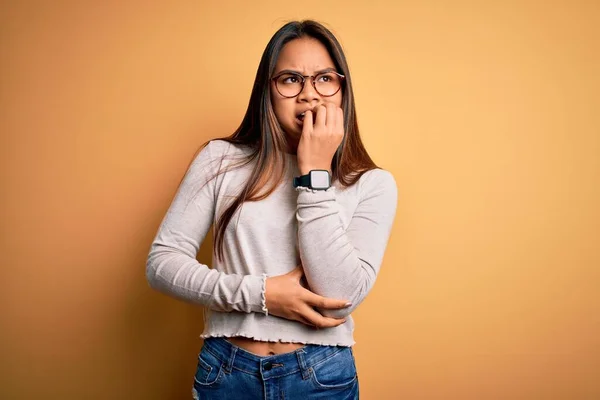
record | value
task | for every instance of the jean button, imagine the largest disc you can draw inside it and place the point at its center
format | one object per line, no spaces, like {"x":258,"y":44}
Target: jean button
{"x":268,"y":366}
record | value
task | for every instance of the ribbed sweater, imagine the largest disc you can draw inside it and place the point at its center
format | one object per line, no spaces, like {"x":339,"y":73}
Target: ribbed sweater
{"x":339,"y":237}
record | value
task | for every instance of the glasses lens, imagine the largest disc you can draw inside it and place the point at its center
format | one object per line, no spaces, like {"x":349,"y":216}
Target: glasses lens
{"x":328,"y":83}
{"x":289,"y":85}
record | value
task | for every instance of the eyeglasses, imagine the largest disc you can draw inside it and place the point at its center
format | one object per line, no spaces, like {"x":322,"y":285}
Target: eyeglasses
{"x":290,"y":84}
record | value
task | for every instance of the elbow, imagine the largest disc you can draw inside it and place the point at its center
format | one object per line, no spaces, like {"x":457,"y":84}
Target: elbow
{"x":151,"y":275}
{"x":359,"y":294}
{"x":159,"y":263}
{"x":151,"y":270}
{"x":338,"y":314}
{"x":356,"y":300}
{"x":358,"y":288}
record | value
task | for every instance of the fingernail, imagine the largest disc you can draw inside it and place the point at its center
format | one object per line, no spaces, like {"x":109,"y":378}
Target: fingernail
{"x":348,"y":304}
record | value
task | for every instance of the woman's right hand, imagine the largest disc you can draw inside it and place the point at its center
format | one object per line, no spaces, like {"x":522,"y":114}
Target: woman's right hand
{"x":287,"y":298}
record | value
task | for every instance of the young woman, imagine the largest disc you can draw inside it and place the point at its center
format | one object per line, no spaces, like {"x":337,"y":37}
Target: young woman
{"x":301,"y":219}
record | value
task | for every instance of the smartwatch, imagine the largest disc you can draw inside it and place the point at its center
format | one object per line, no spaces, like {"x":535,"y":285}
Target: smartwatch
{"x":317,"y":179}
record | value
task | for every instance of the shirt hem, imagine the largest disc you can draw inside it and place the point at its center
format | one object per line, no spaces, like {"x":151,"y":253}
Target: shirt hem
{"x":265,"y":339}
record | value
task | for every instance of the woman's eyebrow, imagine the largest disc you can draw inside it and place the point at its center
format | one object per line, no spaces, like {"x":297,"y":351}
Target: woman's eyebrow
{"x":291,"y":71}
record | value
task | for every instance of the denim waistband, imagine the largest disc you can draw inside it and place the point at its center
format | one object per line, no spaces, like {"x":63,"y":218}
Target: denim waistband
{"x":274,"y":366}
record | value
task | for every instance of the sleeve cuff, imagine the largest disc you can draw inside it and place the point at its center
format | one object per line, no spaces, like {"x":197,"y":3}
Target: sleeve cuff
{"x":309,"y":196}
{"x":254,"y":292}
{"x":263,"y":295}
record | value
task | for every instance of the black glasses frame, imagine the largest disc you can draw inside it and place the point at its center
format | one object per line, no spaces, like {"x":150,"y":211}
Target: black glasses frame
{"x":303,"y":81}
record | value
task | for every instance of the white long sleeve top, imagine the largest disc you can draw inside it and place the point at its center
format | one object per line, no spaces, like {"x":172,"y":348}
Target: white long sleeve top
{"x":338,"y":236}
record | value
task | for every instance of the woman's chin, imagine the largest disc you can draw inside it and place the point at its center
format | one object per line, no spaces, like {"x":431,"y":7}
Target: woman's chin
{"x":293,"y":131}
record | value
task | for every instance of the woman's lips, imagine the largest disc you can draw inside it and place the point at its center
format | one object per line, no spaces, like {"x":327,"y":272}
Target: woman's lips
{"x":300,"y":118}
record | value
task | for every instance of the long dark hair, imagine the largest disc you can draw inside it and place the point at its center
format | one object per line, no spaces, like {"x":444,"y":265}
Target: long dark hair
{"x":261,"y":131}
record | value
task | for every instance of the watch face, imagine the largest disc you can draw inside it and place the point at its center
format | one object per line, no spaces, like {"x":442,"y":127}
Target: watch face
{"x":319,"y":179}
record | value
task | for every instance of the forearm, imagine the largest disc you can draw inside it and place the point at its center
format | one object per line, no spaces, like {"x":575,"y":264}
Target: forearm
{"x":183,"y":277}
{"x":331,"y":263}
{"x":343,"y":261}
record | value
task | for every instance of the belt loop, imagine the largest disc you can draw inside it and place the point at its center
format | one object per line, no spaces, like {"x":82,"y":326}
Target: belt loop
{"x":229,"y":364}
{"x":300,"y":354}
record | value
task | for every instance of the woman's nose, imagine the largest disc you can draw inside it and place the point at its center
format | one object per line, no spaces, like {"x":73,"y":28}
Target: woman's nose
{"x":308,"y":92}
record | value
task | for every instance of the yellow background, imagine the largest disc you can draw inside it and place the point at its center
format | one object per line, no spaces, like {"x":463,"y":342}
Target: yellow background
{"x":487,"y":113}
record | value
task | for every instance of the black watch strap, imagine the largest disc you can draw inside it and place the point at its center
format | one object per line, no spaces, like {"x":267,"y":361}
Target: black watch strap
{"x":303,"y":181}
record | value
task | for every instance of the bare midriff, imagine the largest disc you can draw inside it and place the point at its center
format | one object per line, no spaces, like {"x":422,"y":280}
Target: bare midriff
{"x":261,"y":348}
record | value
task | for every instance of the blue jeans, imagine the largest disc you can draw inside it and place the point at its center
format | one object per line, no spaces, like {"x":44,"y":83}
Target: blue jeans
{"x":228,"y":372}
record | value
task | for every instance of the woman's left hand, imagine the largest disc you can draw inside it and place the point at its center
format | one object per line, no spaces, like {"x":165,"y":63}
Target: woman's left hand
{"x":320,"y":141}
